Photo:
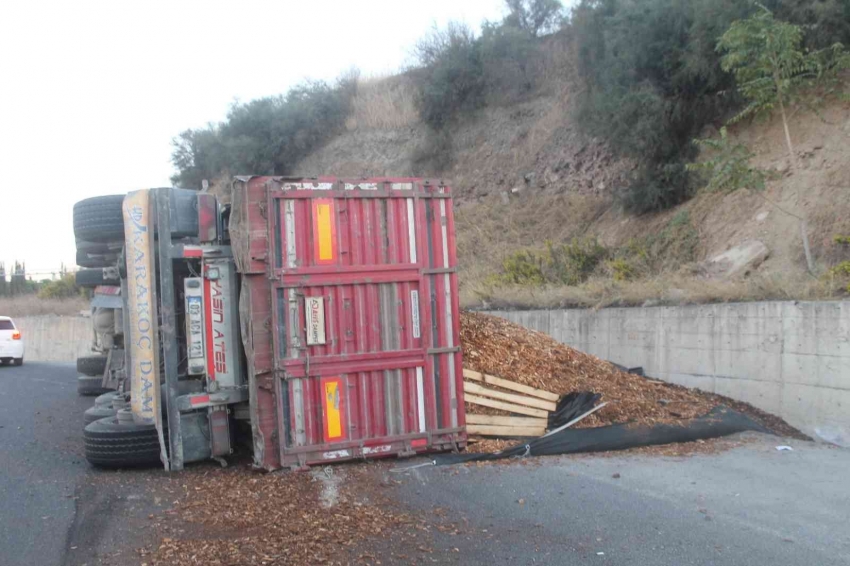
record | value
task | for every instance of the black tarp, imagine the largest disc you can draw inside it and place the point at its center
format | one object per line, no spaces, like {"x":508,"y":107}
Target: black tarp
{"x":721,"y":421}
{"x":571,"y":406}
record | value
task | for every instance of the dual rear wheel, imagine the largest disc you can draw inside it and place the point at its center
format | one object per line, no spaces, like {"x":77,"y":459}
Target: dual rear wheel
{"x":117,"y":442}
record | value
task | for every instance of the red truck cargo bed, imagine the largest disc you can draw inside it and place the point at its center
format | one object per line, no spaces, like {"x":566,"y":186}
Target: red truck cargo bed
{"x":349,"y":311}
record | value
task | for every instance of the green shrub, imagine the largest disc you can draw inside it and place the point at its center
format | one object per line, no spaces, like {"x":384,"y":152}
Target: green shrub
{"x":572,"y":263}
{"x":534,"y":17}
{"x":728,"y":168}
{"x":658,"y":186}
{"x":61,"y":288}
{"x":565,"y":264}
{"x":824,"y":22}
{"x":458,"y":72}
{"x":622,"y":269}
{"x":451,"y":80}
{"x":675,"y":245}
{"x":841,"y":270}
{"x":264,"y":136}
{"x":511,"y":62}
{"x":523,"y":268}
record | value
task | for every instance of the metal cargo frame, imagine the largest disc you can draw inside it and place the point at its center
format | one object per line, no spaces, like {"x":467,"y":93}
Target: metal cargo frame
{"x":349,"y":310}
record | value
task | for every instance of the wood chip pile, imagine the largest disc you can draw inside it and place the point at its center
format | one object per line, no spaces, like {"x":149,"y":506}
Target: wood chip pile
{"x":494,"y":346}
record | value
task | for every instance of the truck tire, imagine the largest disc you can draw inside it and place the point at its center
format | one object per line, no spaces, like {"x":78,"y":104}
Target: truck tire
{"x":85,"y":260}
{"x":89,"y":386}
{"x":114,"y":444}
{"x":106,"y":399}
{"x":100,"y":219}
{"x":91,"y":365}
{"x":91,"y":247}
{"x":98,"y":412}
{"x":93,"y":278}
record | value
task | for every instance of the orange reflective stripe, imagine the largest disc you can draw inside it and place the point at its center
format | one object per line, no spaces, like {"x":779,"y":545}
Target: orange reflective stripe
{"x":324,"y":231}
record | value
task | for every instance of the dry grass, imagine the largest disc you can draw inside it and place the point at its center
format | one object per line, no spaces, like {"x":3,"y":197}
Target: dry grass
{"x":383,"y":103}
{"x":665,"y":289}
{"x":490,"y":230}
{"x":31,"y":305}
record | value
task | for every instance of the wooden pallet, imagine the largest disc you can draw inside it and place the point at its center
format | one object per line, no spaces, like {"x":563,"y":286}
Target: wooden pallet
{"x":533,"y":404}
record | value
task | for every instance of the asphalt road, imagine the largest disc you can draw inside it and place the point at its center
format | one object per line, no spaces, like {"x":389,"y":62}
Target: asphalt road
{"x":41,"y":461}
{"x":55,"y":509}
{"x":749,"y":506}
{"x":752,"y":505}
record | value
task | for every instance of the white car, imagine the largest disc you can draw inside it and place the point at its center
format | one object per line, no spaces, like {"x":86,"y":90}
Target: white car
{"x":11,"y":342}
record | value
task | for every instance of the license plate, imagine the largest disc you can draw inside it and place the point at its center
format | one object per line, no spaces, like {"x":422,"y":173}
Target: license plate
{"x":196,"y":333}
{"x":195,"y":328}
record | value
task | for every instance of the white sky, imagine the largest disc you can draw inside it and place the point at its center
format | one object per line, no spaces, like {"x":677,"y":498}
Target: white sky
{"x":91,"y":93}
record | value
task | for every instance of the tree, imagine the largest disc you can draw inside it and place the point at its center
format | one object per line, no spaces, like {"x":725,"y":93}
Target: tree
{"x":652,"y":76}
{"x":728,"y":168}
{"x":264,"y":136}
{"x":535,"y":16}
{"x":197,"y":155}
{"x":824,"y":22}
{"x":772,"y":70}
{"x":451,"y":80}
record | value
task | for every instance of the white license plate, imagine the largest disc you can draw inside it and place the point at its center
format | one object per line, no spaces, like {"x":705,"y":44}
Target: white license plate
{"x":196,"y":333}
{"x":195,"y":328}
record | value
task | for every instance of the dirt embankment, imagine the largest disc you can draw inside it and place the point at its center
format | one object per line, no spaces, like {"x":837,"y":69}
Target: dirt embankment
{"x":524,"y":175}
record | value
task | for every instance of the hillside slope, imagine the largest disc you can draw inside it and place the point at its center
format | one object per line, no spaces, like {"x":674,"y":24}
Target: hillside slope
{"x":524,"y":175}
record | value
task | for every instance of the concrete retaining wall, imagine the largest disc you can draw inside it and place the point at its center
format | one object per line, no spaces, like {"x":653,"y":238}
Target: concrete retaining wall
{"x":55,"y":338}
{"x":789,"y":358}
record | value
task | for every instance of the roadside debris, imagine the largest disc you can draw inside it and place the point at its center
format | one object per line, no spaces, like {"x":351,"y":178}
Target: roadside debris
{"x":281,"y":519}
{"x":496,"y":347}
{"x":506,"y":358}
{"x":784,"y":448}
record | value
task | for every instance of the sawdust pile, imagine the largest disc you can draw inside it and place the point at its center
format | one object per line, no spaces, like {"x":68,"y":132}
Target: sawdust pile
{"x":235,"y":516}
{"x":498,"y":347}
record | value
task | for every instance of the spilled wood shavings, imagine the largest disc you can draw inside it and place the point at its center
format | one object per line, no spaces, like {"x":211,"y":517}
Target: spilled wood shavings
{"x":498,"y":347}
{"x":236,"y":516}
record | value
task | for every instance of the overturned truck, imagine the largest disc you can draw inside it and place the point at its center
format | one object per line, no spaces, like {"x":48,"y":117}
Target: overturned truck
{"x":312,"y":320}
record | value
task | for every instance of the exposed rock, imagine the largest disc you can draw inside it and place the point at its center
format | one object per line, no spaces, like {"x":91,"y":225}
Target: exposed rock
{"x":737,"y":261}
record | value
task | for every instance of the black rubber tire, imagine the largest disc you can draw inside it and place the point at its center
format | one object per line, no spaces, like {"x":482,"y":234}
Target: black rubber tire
{"x":91,"y":365}
{"x":91,"y":247}
{"x":95,"y":261}
{"x":83,"y":260}
{"x":18,"y":361}
{"x":99,"y":219}
{"x":89,"y":386}
{"x":98,"y":412}
{"x":113,"y":444}
{"x":105,"y":400}
{"x":93,"y":278}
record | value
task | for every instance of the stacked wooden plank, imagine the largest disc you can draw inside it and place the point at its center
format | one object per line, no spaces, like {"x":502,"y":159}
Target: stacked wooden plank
{"x":531,"y":404}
